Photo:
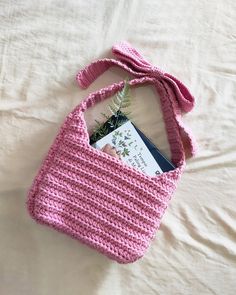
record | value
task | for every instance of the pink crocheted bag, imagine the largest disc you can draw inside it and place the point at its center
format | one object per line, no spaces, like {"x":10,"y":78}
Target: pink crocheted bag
{"x":97,"y":198}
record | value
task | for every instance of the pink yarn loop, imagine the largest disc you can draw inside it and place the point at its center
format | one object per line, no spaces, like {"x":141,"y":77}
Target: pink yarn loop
{"x":129,"y":59}
{"x":126,"y":53}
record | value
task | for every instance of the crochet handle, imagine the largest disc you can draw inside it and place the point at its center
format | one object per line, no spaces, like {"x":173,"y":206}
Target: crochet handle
{"x":175,"y":96}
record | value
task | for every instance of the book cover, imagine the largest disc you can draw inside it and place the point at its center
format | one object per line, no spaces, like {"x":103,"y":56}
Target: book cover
{"x":131,"y":148}
{"x":129,"y":144}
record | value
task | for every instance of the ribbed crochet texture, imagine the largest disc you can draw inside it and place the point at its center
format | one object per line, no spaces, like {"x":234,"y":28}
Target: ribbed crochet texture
{"x":97,"y":198}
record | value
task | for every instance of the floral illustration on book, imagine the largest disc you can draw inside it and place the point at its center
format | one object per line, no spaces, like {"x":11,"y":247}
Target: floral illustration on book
{"x":122,"y":142}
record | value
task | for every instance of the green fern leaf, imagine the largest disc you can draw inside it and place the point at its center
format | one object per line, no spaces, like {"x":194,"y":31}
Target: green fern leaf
{"x":121,"y":100}
{"x":113,"y":109}
{"x":105,"y":116}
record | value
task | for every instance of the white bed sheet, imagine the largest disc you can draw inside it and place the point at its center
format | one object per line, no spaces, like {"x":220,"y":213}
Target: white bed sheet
{"x":42,"y":45}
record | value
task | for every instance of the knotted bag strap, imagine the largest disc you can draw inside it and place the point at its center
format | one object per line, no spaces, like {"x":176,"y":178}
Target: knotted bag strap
{"x":175,"y":96}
